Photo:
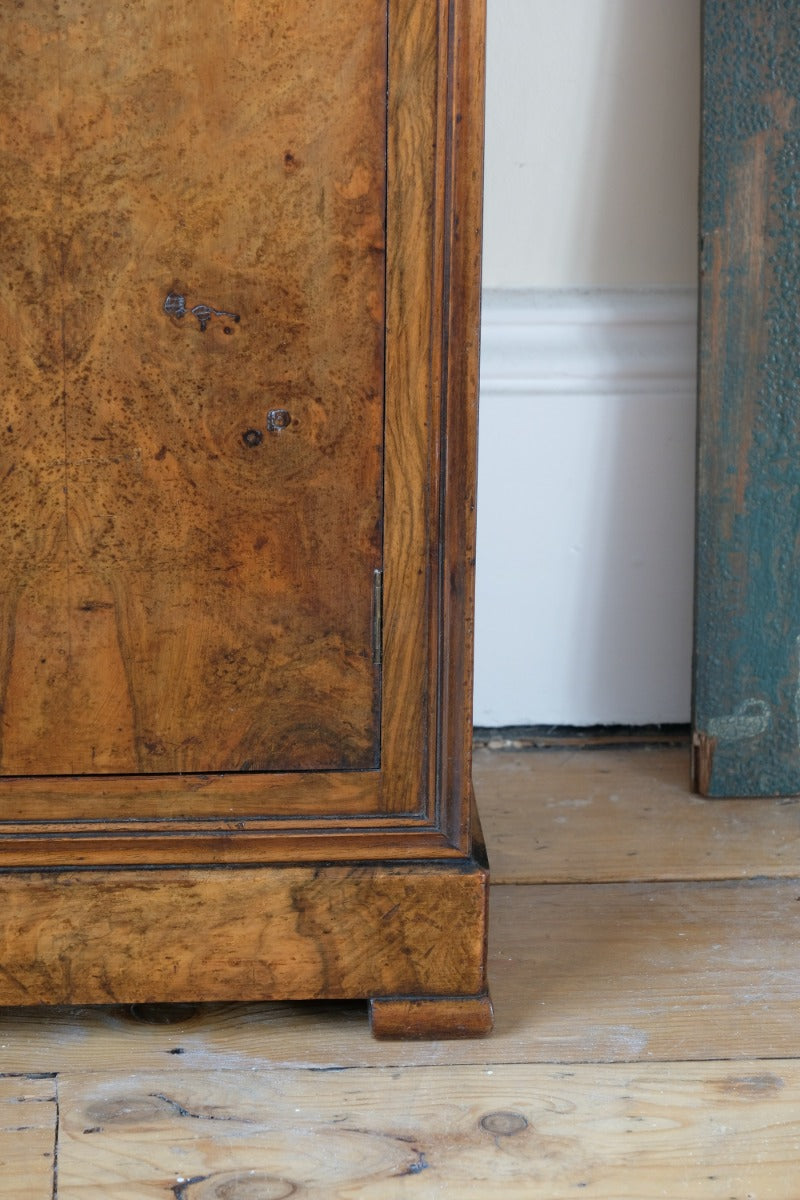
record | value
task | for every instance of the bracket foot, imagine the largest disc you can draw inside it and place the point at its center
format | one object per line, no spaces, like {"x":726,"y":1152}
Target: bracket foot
{"x":431,"y":1018}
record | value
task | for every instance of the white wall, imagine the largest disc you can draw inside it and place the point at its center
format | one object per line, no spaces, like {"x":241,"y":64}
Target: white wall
{"x":587,"y":419}
{"x":592,"y":132}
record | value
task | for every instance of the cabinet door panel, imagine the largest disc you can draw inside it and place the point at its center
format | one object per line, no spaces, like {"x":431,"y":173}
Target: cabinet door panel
{"x":192,"y":317}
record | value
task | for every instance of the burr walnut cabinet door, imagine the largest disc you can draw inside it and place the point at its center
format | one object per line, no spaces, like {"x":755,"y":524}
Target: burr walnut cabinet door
{"x":192,"y":283}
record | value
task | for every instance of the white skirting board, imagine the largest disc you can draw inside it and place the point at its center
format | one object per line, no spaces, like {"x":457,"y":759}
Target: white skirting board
{"x":586,"y":507}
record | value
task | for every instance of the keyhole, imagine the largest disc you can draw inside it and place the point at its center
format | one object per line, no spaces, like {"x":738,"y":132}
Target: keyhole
{"x":278,"y":418}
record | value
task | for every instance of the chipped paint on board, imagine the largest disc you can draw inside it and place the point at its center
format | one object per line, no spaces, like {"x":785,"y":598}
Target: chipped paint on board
{"x":750,"y":719}
{"x":747,"y":601}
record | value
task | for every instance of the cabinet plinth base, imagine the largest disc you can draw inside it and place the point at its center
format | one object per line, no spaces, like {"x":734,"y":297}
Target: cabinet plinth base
{"x":253,"y":933}
{"x":431,"y":1018}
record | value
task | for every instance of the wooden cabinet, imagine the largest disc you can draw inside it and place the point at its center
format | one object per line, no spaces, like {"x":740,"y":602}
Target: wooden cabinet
{"x":239,"y":289}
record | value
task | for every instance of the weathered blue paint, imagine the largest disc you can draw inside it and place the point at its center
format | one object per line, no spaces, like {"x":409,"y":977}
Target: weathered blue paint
{"x":747,"y":639}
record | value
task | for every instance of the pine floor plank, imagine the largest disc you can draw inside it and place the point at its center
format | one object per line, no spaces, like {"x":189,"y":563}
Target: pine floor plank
{"x":625,"y":972}
{"x":612,"y":972}
{"x":715,"y":1131}
{"x":28,"y":1115}
{"x":614,"y":815}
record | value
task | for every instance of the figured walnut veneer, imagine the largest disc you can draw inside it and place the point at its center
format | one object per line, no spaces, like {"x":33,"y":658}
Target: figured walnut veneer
{"x":239,"y":294}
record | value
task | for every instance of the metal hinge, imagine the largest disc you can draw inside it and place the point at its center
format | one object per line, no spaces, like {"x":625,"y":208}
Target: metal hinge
{"x":377,"y":617}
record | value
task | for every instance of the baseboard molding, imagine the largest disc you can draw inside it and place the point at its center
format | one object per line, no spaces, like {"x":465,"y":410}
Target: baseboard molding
{"x":596,"y":342}
{"x":585,"y":508}
{"x":570,"y":737}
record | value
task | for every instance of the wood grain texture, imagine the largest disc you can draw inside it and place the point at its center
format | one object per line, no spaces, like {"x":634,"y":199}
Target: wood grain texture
{"x":176,"y":599}
{"x":615,"y":815}
{"x":747,"y":661}
{"x":229,"y":843}
{"x":195,"y":800}
{"x":597,"y":973}
{"x":432,"y":140}
{"x":412,"y":299}
{"x":705,"y":1130}
{"x":634,"y":971}
{"x":234,"y":1101}
{"x":429,"y":1020}
{"x":460,"y":350}
{"x":224,"y":844}
{"x":435,"y":174}
{"x":136,"y":936}
{"x":198,"y":604}
{"x":28,"y":1121}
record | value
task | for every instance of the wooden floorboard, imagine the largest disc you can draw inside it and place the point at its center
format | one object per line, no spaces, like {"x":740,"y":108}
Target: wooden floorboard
{"x":28,"y":1125}
{"x":709,"y":1130}
{"x":577,"y":816}
{"x":645,"y":968}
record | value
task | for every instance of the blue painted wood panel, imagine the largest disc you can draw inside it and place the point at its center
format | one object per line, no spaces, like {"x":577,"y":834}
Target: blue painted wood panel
{"x":747,"y":640}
